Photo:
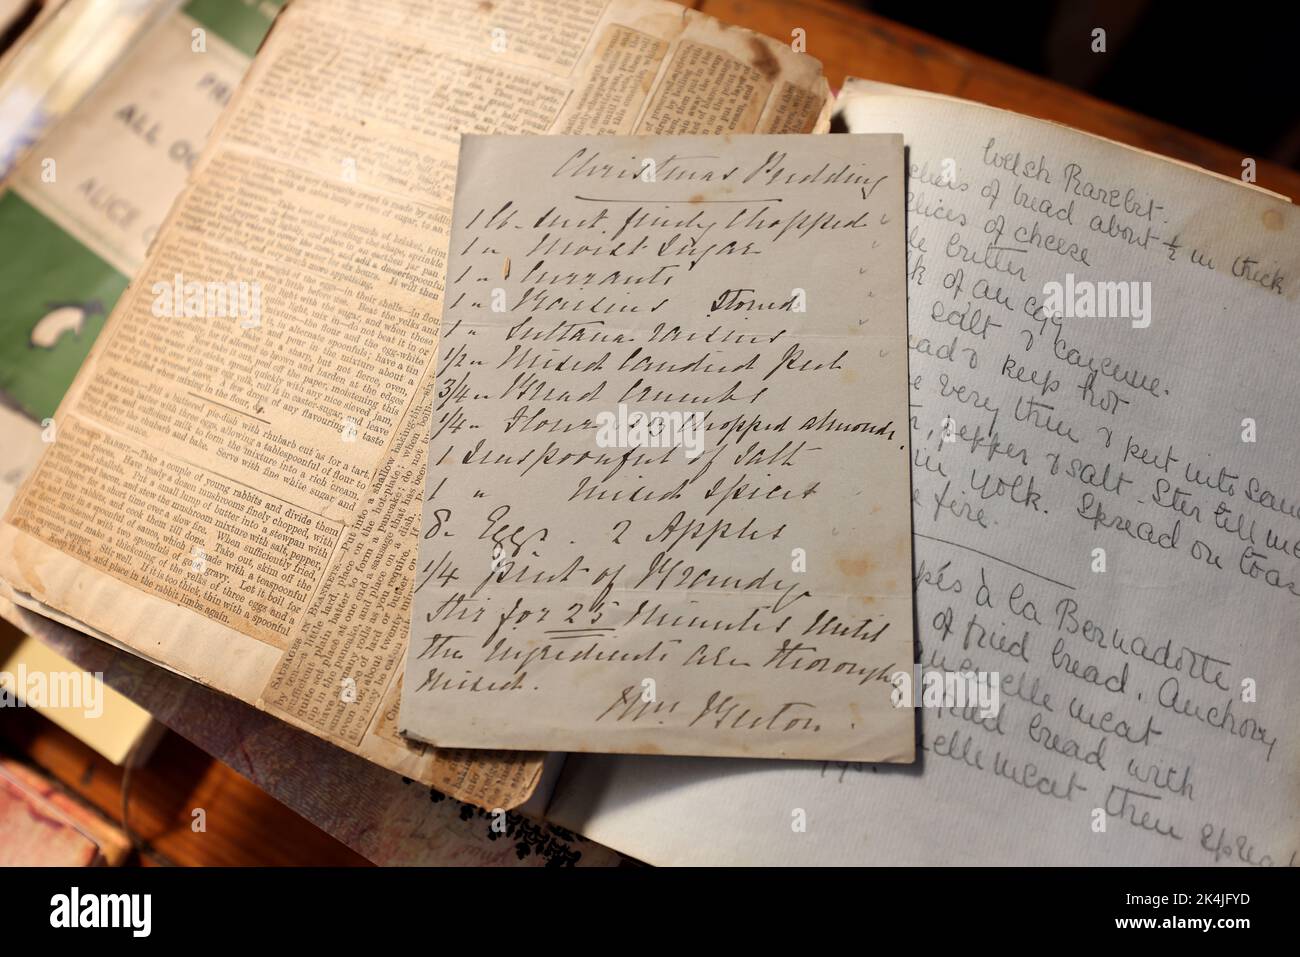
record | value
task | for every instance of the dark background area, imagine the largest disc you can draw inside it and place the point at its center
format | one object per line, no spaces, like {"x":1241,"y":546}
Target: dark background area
{"x":1227,"y":71}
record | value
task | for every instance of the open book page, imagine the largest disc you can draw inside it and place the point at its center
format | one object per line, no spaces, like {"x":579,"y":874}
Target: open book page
{"x":234,"y":488}
{"x":667,"y":505}
{"x":1107,"y":516}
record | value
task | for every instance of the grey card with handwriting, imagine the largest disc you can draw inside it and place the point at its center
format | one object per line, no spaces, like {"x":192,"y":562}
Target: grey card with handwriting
{"x":667,"y":505}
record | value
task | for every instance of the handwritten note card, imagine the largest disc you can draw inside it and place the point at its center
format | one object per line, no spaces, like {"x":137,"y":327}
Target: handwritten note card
{"x":667,"y":502}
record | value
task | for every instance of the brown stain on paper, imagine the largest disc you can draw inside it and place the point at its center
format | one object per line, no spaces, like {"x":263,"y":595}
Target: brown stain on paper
{"x":764,"y":59}
{"x":855,"y":567}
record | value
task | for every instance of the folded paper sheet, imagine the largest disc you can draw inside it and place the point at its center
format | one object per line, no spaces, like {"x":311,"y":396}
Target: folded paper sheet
{"x":667,"y":505}
{"x":1113,"y":529}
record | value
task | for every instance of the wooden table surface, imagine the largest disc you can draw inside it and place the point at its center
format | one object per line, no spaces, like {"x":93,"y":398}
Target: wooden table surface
{"x":850,"y":42}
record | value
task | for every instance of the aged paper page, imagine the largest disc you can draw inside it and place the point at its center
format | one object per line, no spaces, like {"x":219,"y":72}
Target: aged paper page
{"x":667,"y":498}
{"x":1113,"y":530}
{"x":234,"y":488}
{"x":78,"y":212}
